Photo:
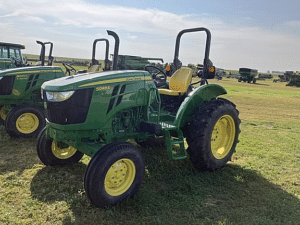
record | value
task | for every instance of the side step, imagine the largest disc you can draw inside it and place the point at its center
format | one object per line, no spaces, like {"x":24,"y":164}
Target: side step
{"x":171,"y":141}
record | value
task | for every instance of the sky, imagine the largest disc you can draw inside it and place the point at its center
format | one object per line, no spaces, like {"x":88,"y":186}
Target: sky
{"x":262,"y":35}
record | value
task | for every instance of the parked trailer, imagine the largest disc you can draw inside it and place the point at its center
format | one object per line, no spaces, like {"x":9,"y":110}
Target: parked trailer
{"x":248,"y":75}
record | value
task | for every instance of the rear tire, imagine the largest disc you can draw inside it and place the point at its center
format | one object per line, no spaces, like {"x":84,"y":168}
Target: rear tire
{"x":24,"y":121}
{"x":212,"y":135}
{"x":52,"y":153}
{"x":114,"y":173}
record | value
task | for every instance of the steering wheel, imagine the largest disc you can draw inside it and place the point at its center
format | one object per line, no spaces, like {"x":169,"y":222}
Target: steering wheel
{"x":69,"y":68}
{"x":18,"y":63}
{"x":158,"y":75}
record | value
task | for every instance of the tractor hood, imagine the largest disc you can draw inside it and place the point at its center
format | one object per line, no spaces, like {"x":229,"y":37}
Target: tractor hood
{"x":23,"y":72}
{"x":90,"y":80}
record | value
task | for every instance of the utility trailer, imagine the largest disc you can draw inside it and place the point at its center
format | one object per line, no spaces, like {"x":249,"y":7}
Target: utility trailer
{"x":247,"y":75}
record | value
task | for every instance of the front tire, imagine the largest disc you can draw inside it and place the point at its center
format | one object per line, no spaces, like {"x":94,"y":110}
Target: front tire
{"x":24,"y":121}
{"x":114,"y":173}
{"x":53,"y":153}
{"x":212,"y":135}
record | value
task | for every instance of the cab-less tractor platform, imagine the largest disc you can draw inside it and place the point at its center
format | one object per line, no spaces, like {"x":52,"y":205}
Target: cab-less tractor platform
{"x":94,"y":114}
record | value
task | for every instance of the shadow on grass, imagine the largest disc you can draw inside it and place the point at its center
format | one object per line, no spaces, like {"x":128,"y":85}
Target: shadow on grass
{"x":261,"y":84}
{"x":16,"y":154}
{"x":173,"y":192}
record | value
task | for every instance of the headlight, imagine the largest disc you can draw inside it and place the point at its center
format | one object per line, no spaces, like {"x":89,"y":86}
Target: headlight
{"x":1,"y":77}
{"x":58,"y":96}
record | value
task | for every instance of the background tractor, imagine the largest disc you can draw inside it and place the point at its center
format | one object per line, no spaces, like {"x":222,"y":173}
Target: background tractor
{"x":294,"y":80}
{"x":95,"y":64}
{"x":21,"y":106}
{"x":247,"y":75}
{"x":129,"y":62}
{"x":10,"y":55}
{"x":94,"y":114}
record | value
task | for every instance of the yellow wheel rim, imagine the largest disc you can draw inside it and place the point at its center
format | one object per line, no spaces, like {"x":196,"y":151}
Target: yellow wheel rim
{"x":27,"y":123}
{"x":62,"y":153}
{"x":3,"y":112}
{"x":119,"y":177}
{"x":222,"y":137}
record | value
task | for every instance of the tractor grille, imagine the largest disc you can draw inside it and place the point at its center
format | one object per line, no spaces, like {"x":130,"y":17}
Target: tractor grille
{"x":6,"y":85}
{"x":72,"y":111}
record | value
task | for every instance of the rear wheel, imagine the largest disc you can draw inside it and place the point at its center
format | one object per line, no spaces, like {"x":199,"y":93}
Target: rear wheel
{"x":53,"y":153}
{"x":3,"y":114}
{"x":114,"y":173}
{"x":212,"y":135}
{"x":24,"y":121}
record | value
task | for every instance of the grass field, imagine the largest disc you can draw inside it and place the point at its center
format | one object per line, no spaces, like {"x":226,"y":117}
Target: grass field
{"x":261,"y":185}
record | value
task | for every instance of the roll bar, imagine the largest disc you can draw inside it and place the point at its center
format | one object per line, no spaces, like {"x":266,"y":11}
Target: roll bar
{"x":206,"y":63}
{"x":42,"y":54}
{"x":106,"y":61}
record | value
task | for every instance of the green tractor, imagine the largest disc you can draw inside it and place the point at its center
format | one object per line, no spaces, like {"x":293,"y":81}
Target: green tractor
{"x":95,"y":114}
{"x":247,"y":75}
{"x":129,"y":62}
{"x":21,"y":106}
{"x":95,"y":65}
{"x":294,"y":80}
{"x":10,"y":55}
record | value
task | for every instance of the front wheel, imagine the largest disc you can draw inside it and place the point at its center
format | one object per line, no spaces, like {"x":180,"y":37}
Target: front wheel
{"x":212,"y":135}
{"x":114,"y":173}
{"x":53,"y":153}
{"x":24,"y":121}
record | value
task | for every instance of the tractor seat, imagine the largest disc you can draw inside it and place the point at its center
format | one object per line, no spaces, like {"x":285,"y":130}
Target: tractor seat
{"x":93,"y":69}
{"x":179,"y":82}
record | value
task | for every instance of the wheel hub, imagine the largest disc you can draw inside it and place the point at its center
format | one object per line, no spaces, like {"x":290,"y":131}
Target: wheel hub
{"x":27,"y":123}
{"x":119,"y":177}
{"x":222,"y":137}
{"x":3,"y":112}
{"x":62,"y":153}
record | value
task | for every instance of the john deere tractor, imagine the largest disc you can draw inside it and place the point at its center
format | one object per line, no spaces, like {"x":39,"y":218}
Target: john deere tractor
{"x":95,"y":65}
{"x":10,"y":55}
{"x":21,"y":106}
{"x":94,"y":114}
{"x":130,"y":62}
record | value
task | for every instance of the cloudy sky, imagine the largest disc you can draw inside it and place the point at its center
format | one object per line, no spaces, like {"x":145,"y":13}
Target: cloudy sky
{"x":259,"y":34}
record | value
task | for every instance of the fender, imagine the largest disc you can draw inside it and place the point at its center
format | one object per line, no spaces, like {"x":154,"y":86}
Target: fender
{"x":195,"y":99}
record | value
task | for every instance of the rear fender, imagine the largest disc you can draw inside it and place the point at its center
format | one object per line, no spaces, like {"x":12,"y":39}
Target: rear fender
{"x":200,"y":96}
